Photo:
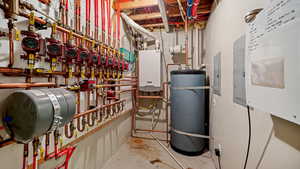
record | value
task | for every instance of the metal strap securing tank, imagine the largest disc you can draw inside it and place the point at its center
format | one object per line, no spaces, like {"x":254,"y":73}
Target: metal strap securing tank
{"x":57,"y":110}
{"x":191,"y":88}
{"x":190,"y":134}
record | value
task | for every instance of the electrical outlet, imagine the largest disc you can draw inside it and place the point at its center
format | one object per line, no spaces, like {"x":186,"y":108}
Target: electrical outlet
{"x":220,"y":147}
{"x":218,"y":150}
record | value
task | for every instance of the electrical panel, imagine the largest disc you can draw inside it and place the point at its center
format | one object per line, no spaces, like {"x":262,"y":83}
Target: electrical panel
{"x":217,"y":75}
{"x":239,"y":81}
{"x":150,"y":68}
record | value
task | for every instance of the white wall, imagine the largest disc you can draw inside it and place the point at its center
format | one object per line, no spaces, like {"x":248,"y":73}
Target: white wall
{"x":229,"y":123}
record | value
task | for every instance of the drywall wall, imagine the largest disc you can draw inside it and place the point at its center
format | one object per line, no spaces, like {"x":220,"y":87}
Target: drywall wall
{"x":168,"y":40}
{"x":229,"y":123}
{"x":93,"y":151}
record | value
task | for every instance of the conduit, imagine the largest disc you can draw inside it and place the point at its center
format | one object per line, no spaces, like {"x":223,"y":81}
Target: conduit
{"x":137,"y":27}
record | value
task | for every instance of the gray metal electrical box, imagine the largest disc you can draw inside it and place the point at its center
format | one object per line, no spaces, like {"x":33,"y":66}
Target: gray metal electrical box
{"x":217,"y":74}
{"x":239,"y":79}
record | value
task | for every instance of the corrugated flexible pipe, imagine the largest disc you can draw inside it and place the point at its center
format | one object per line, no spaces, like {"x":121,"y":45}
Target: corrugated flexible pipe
{"x":137,"y":27}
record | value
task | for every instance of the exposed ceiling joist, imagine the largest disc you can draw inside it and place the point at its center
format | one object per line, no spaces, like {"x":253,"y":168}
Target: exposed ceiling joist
{"x":163,"y":11}
{"x":145,"y":16}
{"x":137,"y":4}
{"x":155,"y":15}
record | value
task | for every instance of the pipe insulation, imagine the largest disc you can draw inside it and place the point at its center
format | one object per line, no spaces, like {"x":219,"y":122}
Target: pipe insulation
{"x":137,"y":27}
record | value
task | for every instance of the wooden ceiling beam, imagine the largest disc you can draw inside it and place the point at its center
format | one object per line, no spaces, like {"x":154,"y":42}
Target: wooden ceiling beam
{"x":137,"y":4}
{"x":145,"y":16}
{"x":155,"y":15}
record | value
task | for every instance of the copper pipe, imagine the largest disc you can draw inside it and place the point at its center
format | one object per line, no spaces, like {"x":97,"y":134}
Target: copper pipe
{"x":37,"y":19}
{"x":11,"y":70}
{"x":91,"y":132}
{"x":186,"y":41}
{"x":115,"y":85}
{"x":25,"y":85}
{"x":131,"y":77}
{"x":47,"y":143}
{"x":154,"y":131}
{"x":11,"y":44}
{"x":166,"y":96}
{"x":95,"y":109}
{"x":45,"y":1}
{"x":25,"y":156}
{"x":69,"y":130}
{"x":123,"y":91}
{"x":24,"y":72}
{"x":150,"y":97}
{"x":82,"y":122}
{"x":120,"y":80}
{"x":91,"y":121}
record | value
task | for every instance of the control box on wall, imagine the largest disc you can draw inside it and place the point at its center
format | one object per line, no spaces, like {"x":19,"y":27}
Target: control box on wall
{"x":217,"y":74}
{"x":150,"y":68}
{"x":272,"y":62}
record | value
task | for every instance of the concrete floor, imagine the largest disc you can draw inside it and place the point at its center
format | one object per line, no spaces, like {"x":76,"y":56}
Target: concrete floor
{"x":148,"y":154}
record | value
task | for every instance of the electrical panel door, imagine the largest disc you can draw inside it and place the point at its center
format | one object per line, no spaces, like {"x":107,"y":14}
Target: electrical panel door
{"x":217,"y":75}
{"x":239,"y":81}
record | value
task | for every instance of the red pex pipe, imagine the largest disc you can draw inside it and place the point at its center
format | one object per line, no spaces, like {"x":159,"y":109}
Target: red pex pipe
{"x":96,"y":18}
{"x":119,"y":24}
{"x":108,"y":21}
{"x":96,"y":13}
{"x":194,"y":8}
{"x":88,"y":16}
{"x":115,"y":32}
{"x":103,"y":20}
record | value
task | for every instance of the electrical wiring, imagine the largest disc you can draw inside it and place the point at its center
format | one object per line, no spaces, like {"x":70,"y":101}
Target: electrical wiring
{"x":265,"y":149}
{"x":219,"y":162}
{"x":249,"y":137}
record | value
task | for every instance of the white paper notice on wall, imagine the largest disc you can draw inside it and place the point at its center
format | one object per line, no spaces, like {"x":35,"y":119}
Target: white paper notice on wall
{"x":273,"y":60}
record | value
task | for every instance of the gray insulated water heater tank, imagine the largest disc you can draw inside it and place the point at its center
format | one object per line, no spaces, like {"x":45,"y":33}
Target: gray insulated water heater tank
{"x":32,"y":113}
{"x":188,"y":110}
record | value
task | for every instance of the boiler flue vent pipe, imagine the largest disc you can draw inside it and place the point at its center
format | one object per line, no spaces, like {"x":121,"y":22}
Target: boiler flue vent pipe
{"x":137,"y":27}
